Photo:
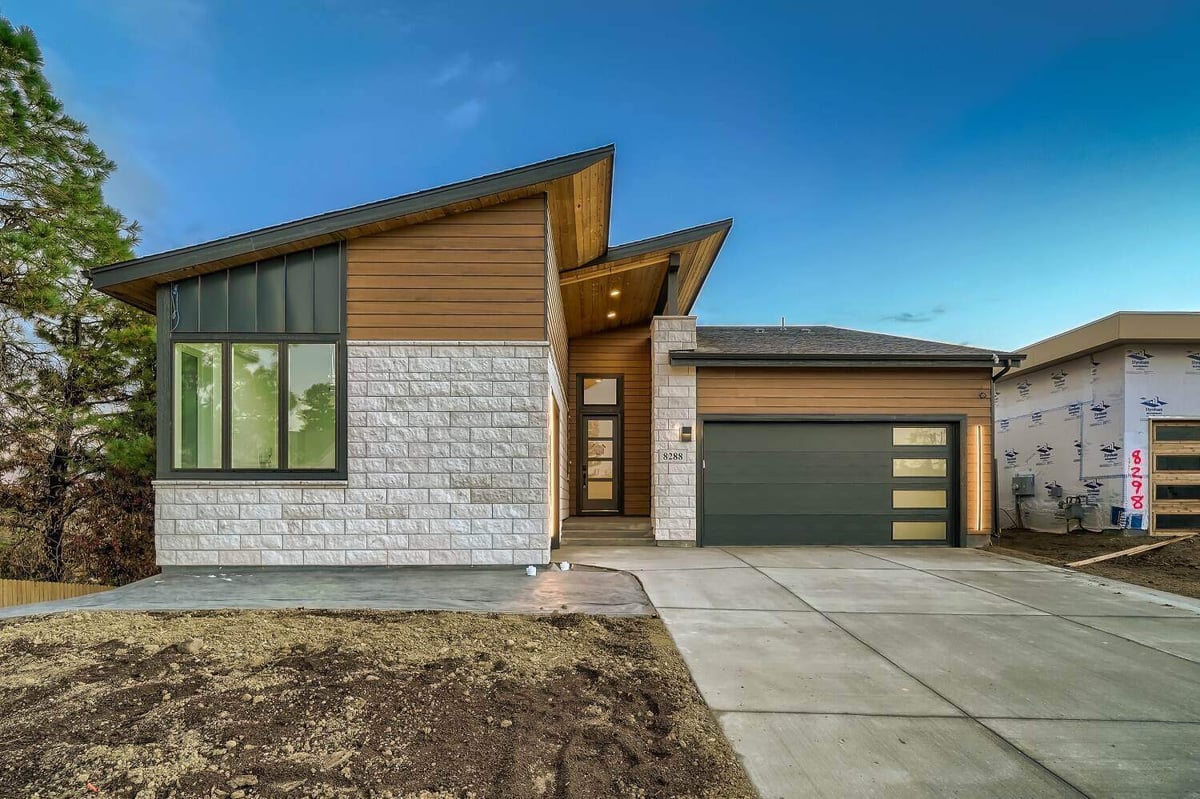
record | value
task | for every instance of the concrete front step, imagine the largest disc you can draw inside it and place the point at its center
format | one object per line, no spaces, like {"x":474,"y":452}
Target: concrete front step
{"x":608,"y":531}
{"x":601,"y":532}
{"x":576,"y":541}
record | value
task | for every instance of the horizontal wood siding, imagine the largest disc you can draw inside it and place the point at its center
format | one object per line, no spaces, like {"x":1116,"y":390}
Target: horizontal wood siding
{"x":625,"y":352}
{"x":475,"y":276}
{"x":866,"y":392}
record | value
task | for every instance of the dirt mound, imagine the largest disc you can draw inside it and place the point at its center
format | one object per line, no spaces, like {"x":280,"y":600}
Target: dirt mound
{"x":1174,"y":568}
{"x":323,"y":704}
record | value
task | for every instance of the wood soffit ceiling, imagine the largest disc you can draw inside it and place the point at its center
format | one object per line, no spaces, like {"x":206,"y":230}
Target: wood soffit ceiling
{"x":637,"y":271}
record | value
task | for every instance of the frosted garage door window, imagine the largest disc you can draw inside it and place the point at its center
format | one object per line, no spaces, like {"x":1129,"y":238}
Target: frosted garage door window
{"x":918,"y":467}
{"x":196,"y":415}
{"x":918,"y":436}
{"x":905,"y":499}
{"x":312,"y":406}
{"x":254,"y":406}
{"x":918,"y":531}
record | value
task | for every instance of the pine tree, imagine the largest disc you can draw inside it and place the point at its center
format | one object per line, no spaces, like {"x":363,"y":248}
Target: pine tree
{"x":76,"y":368}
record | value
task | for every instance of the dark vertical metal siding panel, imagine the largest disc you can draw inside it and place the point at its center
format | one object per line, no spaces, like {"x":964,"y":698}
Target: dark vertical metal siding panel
{"x":187,"y":302}
{"x":214,"y":302}
{"x":163,"y":436}
{"x":243,"y":299}
{"x":298,"y":307}
{"x":327,"y":285}
{"x":270,"y":296}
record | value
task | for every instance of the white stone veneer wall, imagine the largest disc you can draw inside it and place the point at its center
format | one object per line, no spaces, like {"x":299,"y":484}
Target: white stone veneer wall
{"x":673,"y":405}
{"x":447,"y":446}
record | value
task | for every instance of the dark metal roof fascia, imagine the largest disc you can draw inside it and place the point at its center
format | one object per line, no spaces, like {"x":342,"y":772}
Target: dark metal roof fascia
{"x":334,"y":221}
{"x":693,"y":358}
{"x":663,"y":242}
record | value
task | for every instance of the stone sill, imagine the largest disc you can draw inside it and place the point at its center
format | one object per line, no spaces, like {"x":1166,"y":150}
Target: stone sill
{"x":266,"y":482}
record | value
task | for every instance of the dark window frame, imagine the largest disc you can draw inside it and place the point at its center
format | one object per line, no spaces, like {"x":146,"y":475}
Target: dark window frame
{"x":166,"y":468}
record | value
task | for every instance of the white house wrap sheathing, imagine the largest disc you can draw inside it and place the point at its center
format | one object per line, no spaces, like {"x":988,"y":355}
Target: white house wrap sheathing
{"x":1084,"y":425}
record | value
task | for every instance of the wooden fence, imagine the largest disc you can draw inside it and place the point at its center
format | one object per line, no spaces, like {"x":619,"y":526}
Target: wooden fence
{"x":23,"y":592}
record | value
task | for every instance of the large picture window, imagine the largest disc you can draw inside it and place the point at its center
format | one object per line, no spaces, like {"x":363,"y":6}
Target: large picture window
{"x":255,"y":406}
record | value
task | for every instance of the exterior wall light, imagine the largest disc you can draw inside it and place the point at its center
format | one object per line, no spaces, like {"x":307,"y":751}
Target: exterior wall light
{"x":685,"y":433}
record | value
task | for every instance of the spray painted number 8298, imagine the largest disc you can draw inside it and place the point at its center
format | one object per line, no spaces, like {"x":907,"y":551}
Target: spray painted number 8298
{"x":1136,"y":481}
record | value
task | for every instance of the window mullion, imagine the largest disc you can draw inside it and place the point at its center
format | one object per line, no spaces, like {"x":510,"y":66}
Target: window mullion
{"x":226,"y":405}
{"x":284,"y":461}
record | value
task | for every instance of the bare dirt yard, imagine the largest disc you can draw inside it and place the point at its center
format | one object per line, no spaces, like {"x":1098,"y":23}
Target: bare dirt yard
{"x":373,"y":704}
{"x":1174,"y":568}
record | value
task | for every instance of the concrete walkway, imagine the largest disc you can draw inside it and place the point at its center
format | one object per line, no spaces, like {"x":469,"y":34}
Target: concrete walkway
{"x":890,"y":672}
{"x":500,"y":590}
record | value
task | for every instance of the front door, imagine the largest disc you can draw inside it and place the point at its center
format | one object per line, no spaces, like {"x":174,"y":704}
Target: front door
{"x":600,"y":463}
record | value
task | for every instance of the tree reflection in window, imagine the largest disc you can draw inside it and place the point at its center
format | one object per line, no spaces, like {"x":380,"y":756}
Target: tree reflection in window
{"x":312,"y":406}
{"x":254,"y":407}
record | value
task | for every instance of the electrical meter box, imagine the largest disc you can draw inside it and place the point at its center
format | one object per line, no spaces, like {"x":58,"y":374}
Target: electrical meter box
{"x":1022,"y":485}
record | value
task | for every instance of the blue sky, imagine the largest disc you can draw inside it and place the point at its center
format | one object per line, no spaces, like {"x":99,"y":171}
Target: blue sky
{"x":988,"y":173}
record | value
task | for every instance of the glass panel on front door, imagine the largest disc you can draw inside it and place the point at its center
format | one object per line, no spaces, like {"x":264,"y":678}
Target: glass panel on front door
{"x":600,"y":471}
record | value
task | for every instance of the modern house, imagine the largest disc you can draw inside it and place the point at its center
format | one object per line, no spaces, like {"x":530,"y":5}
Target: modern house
{"x":466,"y":374}
{"x":1110,"y":413}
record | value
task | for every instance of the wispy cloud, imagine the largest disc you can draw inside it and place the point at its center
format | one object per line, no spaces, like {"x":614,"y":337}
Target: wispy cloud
{"x":163,"y":24}
{"x":452,"y":70}
{"x":915,"y":317}
{"x":466,"y":114}
{"x":474,"y":82}
{"x":497,"y":72}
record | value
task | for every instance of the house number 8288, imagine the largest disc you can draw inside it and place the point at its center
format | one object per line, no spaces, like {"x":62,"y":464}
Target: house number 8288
{"x":670,"y":455}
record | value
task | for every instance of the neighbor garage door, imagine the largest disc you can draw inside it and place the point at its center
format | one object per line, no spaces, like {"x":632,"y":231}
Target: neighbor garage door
{"x":828,"y":483}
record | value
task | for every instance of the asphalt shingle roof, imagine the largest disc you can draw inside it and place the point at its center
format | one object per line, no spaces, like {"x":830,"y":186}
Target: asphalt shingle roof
{"x":815,"y":341}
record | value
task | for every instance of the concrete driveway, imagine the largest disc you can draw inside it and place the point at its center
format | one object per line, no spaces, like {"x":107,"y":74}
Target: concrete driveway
{"x":927,"y":672}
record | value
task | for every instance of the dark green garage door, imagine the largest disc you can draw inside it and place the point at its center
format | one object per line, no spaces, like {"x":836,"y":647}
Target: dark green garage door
{"x":828,"y":483}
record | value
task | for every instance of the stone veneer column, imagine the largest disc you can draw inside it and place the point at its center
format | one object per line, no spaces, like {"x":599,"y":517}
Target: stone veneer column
{"x":673,"y":405}
{"x":447,"y":465}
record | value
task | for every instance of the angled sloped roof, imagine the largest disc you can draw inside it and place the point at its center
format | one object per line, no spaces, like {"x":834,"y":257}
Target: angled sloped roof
{"x":823,"y":345}
{"x":579,"y":189}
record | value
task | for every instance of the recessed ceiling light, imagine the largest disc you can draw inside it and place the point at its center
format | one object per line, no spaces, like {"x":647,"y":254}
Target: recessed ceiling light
{"x":612,"y":314}
{"x":615,"y":293}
